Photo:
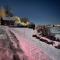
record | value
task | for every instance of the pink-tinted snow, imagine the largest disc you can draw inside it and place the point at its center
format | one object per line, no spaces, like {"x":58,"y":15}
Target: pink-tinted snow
{"x":31,"y":50}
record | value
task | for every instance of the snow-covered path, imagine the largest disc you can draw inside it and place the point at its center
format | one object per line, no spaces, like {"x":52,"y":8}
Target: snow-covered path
{"x":35,"y":49}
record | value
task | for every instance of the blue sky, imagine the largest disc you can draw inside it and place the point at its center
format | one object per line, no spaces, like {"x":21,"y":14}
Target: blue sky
{"x":38,"y":11}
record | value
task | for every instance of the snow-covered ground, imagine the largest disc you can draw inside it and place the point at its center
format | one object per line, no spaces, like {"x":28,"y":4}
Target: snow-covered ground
{"x":33,"y":47}
{"x":56,"y":31}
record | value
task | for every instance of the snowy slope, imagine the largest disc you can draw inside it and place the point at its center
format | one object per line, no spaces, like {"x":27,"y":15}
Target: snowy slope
{"x":25,"y":35}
